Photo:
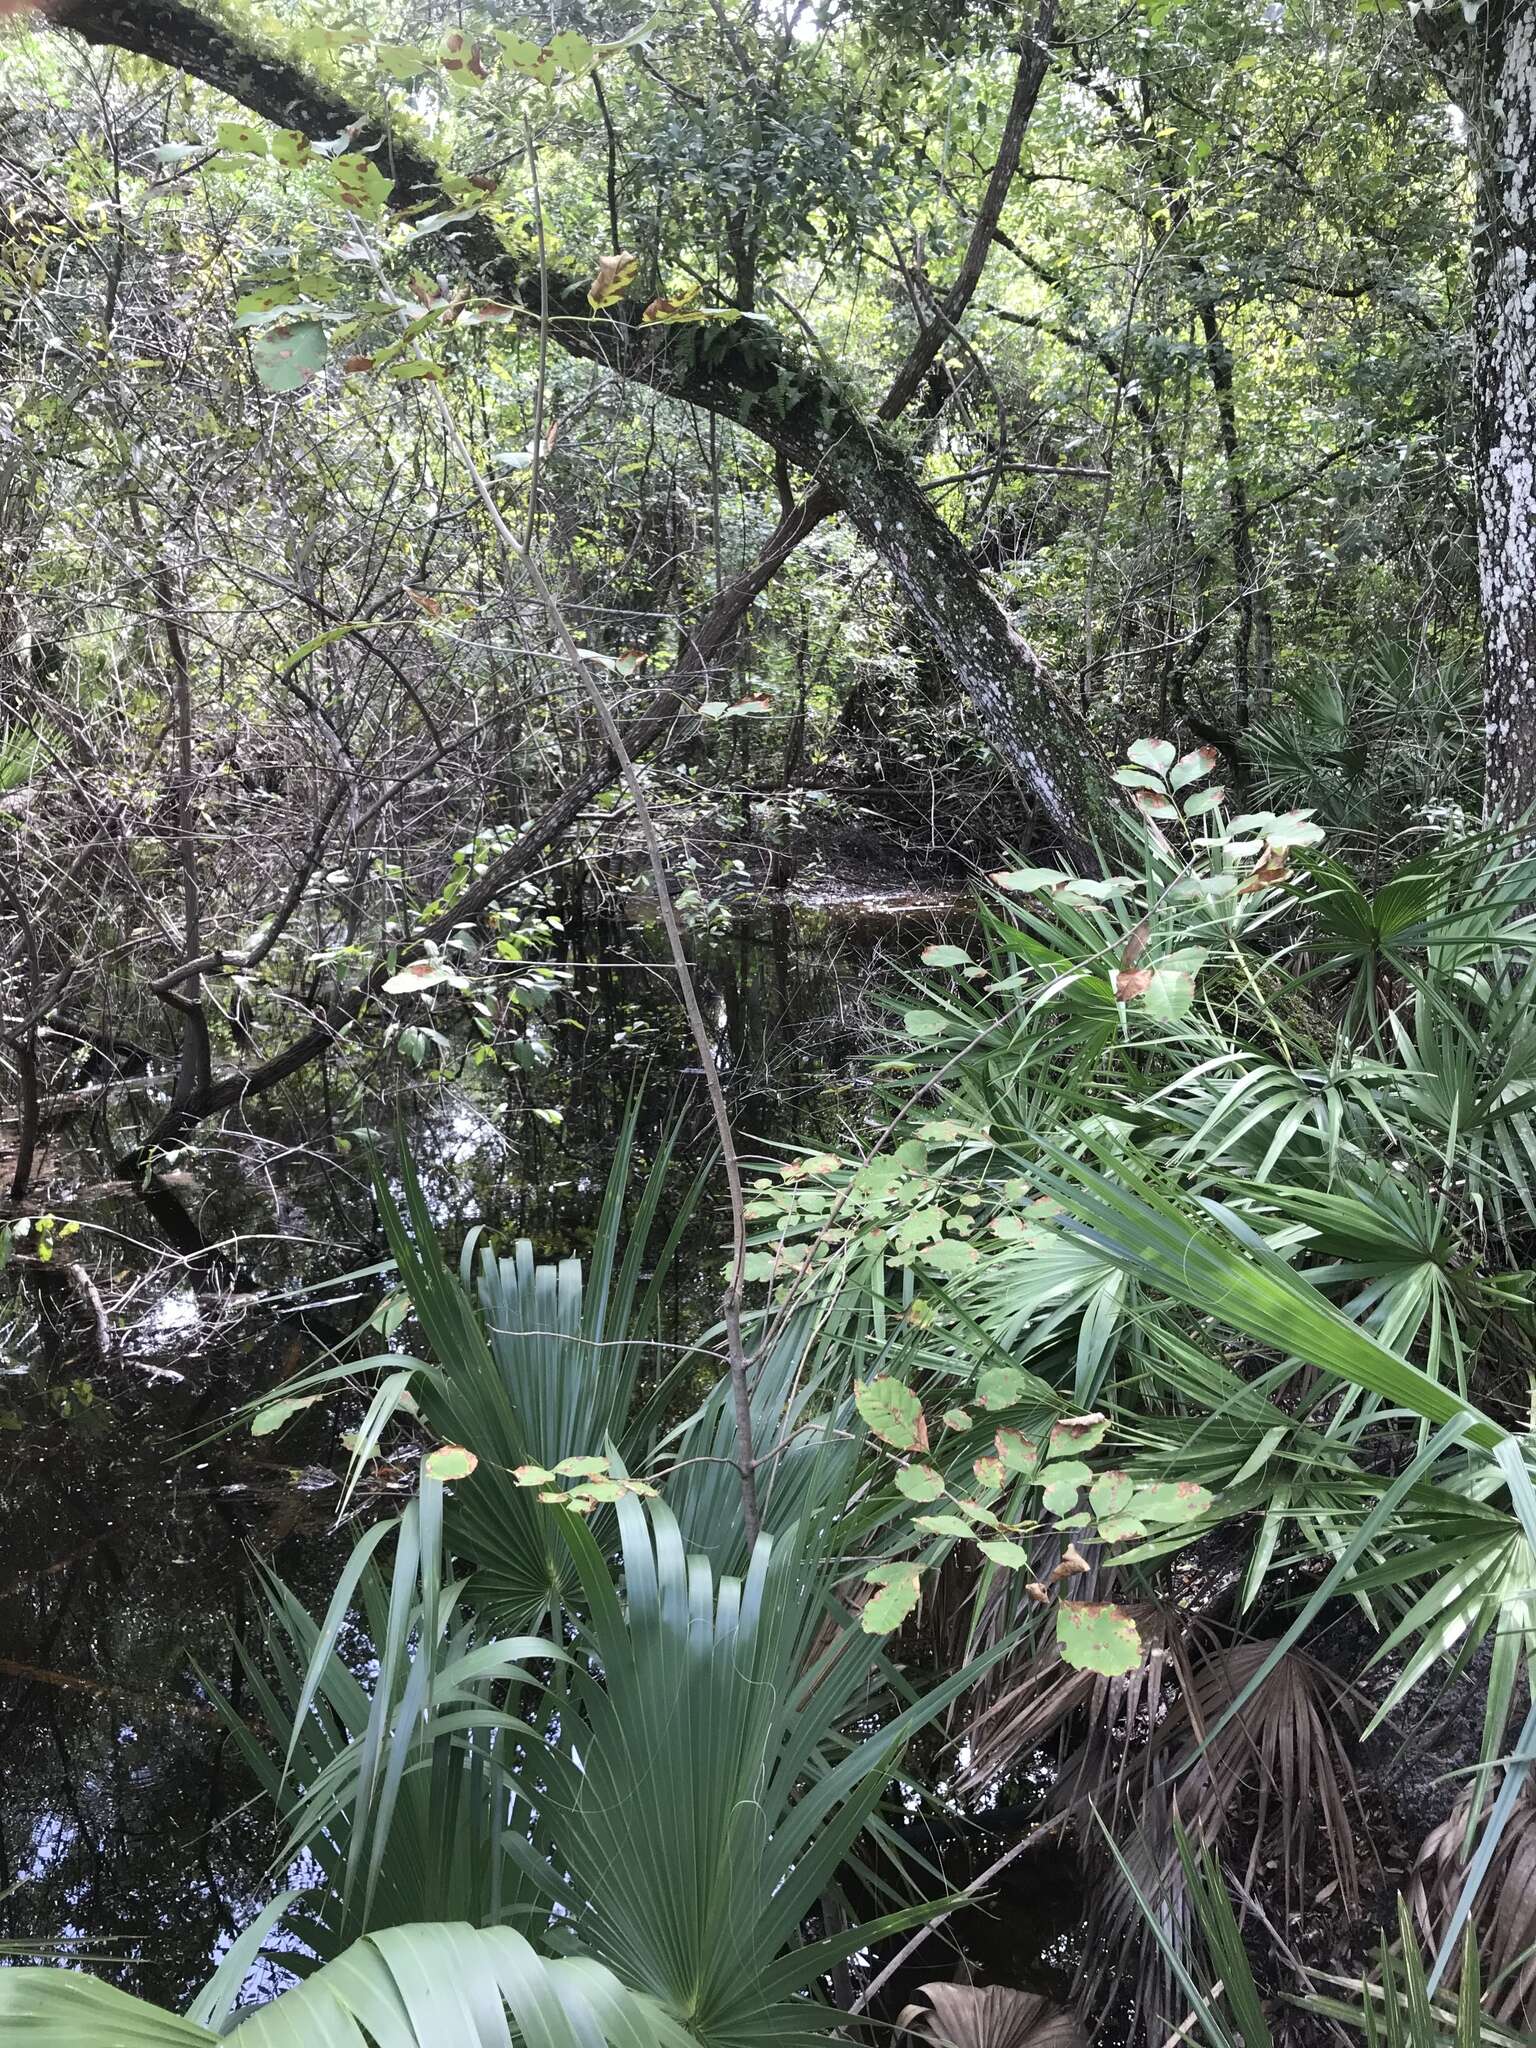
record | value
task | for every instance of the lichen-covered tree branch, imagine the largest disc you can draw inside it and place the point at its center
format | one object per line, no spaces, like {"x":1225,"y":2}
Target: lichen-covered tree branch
{"x":744,"y":372}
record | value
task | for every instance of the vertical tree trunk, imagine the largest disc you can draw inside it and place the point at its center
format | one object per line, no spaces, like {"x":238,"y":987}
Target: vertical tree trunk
{"x":1505,"y":261}
{"x":1489,"y":67}
{"x":1251,"y":642}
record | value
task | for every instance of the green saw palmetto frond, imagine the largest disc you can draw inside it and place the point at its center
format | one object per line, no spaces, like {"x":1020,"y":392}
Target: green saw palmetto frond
{"x":429,"y":1986}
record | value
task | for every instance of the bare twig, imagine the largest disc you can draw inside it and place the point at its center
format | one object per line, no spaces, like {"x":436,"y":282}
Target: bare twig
{"x":878,"y":1982}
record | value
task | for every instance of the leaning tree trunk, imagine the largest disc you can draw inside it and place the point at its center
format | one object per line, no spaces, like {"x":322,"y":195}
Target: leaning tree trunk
{"x":1489,"y":67}
{"x":746,"y":373}
{"x":1045,"y":745}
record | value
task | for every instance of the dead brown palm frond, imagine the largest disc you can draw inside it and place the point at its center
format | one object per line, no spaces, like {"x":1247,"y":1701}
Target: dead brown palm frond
{"x":990,"y":2016}
{"x":1279,"y":1765}
{"x":1281,"y":1762}
{"x":1504,"y":1914}
{"x":1134,"y":1883}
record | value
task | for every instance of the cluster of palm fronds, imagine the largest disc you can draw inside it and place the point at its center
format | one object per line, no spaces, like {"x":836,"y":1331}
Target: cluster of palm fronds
{"x":1230,"y":1182}
{"x":624,"y":1827}
{"x":1387,"y":734}
{"x":1279,"y":1228}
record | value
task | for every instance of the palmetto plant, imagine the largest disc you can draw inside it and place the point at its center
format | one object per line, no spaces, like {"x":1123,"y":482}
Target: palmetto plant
{"x":642,"y":1806}
{"x":658,"y":1805}
{"x":400,"y":1785}
{"x":677,"y":1783}
{"x":544,"y":1366}
{"x":1396,"y":2007}
{"x":1222,"y":1182}
{"x":1503,"y":1916}
{"x":990,"y":2016}
{"x":1275,"y":1224}
{"x":434,"y":1986}
{"x":1385,"y":733}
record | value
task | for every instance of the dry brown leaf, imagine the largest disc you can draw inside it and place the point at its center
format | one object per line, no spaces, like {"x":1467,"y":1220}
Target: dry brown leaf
{"x":615,"y":274}
{"x":990,"y":2016}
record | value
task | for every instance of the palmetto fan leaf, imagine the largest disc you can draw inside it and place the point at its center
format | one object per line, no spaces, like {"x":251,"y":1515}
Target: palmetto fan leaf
{"x":1045,"y":1288}
{"x":545,"y":1370}
{"x":1455,"y":908}
{"x":723,"y":1776}
{"x":1050,"y":1696}
{"x":990,"y":2016}
{"x":801,"y":1404}
{"x":1280,"y":1760}
{"x":1461,"y":1570}
{"x":428,"y":1986}
{"x":1208,"y":1258}
{"x":672,"y":1791}
{"x":1462,"y":1091}
{"x":403,"y":1785}
{"x":1504,"y":1913}
{"x":1223,"y":2005}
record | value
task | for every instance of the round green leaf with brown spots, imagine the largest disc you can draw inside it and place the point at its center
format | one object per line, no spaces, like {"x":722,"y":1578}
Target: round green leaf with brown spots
{"x":1096,"y":1636}
{"x":359,"y":183}
{"x":1075,"y":1434}
{"x":1192,"y":767}
{"x":1059,"y":1495}
{"x":1171,"y":1502}
{"x":1001,"y":1386}
{"x":1111,"y":1493}
{"x":572,"y":52}
{"x":402,"y":60}
{"x":898,"y":1587}
{"x":893,"y":1413}
{"x":919,"y":1482}
{"x":942,"y":1525}
{"x":449,"y":1461}
{"x":1158,"y":755}
{"x":1017,"y":1452}
{"x":421,"y":974}
{"x":288,"y":354}
{"x":241,"y":138}
{"x":1066,"y":1472}
{"x":925,"y":1023}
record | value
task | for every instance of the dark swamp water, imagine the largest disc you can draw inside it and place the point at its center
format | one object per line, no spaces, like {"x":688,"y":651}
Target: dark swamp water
{"x":131,"y":1517}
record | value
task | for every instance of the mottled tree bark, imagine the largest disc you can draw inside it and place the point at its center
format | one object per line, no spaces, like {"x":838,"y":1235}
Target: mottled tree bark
{"x":1489,"y":67}
{"x":1048,"y":747}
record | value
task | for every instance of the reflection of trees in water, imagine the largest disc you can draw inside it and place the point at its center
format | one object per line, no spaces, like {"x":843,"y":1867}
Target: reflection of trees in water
{"x":123,"y":1817}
